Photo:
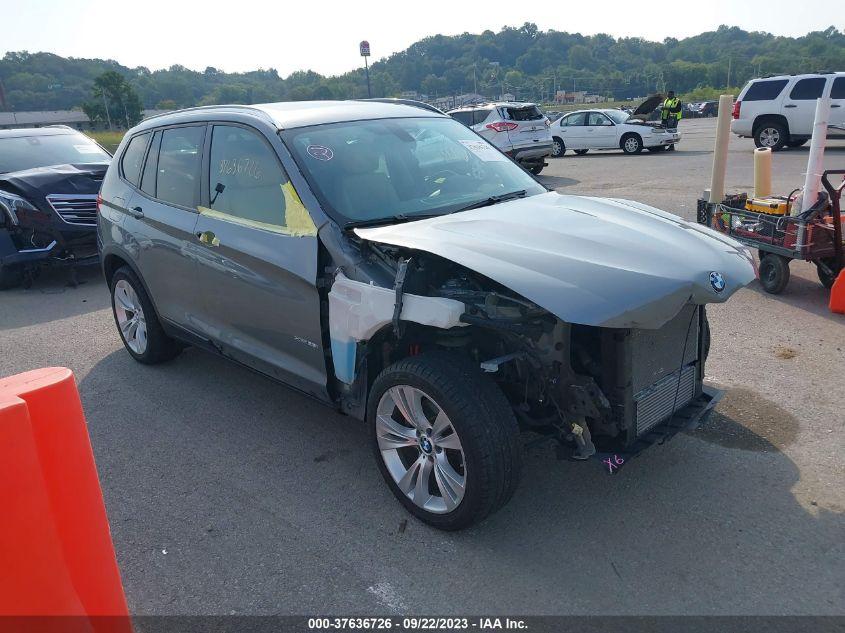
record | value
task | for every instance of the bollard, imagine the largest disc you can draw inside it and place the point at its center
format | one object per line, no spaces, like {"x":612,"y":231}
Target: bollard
{"x":55,"y":544}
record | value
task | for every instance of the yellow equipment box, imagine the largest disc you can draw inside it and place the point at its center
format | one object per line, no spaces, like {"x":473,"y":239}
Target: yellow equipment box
{"x":772,"y":206}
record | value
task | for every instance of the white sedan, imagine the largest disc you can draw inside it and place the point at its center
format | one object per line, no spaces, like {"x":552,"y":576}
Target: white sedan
{"x":584,"y":130}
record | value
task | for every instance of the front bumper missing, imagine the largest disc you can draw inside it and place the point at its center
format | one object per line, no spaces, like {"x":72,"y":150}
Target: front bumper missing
{"x":50,"y":255}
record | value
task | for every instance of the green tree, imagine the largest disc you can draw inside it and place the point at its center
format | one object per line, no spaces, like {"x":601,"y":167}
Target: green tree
{"x":114,"y":101}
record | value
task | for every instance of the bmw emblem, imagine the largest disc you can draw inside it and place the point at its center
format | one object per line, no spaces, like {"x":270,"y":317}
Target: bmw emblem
{"x":717,"y":281}
{"x":426,"y":446}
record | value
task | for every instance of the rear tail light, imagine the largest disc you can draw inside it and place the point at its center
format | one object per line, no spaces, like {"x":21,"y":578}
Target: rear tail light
{"x":502,"y":126}
{"x":737,"y":107}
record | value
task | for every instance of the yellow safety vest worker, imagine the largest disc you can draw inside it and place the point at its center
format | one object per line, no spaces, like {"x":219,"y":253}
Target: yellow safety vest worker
{"x":668,"y":106}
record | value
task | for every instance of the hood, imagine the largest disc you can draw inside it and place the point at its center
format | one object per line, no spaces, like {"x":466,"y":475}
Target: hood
{"x":647,"y":107}
{"x":594,"y":261}
{"x":36,"y":184}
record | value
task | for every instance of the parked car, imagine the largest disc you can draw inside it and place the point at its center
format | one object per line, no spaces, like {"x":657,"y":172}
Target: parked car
{"x":49,"y":179}
{"x":779,"y":111}
{"x":708,"y":109}
{"x":605,"y":129}
{"x":393,"y":264}
{"x":520,"y":130}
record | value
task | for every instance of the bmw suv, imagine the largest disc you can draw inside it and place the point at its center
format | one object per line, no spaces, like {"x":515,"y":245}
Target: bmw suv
{"x":393,"y":264}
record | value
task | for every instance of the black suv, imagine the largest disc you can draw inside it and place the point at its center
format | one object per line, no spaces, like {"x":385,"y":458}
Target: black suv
{"x":49,"y":180}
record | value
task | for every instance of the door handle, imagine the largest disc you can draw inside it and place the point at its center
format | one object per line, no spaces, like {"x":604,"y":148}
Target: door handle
{"x":790,"y":105}
{"x":208,"y":238}
{"x":834,"y":105}
{"x":136,"y":212}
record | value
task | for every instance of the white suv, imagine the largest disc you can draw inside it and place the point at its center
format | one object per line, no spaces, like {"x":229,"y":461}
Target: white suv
{"x":779,"y":111}
{"x":520,"y":130}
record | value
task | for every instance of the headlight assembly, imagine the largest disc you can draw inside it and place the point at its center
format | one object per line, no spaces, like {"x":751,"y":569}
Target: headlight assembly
{"x":11,"y":203}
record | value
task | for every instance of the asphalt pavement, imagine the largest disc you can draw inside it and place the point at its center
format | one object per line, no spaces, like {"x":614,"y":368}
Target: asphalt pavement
{"x":230,"y":494}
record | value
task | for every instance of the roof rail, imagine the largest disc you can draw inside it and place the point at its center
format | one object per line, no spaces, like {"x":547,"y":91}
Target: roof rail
{"x":407,"y":102}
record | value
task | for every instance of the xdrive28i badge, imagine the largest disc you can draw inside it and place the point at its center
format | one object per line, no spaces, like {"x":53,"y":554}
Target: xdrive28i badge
{"x":717,"y":281}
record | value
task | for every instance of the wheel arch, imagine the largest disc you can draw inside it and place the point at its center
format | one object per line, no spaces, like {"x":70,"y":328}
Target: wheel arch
{"x":626,"y":135}
{"x":113,"y":260}
{"x":763,"y":119}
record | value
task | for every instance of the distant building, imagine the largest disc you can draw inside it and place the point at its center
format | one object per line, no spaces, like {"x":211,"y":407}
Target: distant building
{"x":457,"y":101}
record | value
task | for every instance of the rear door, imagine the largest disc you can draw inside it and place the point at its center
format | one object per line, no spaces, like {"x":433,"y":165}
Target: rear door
{"x":837,"y":106}
{"x":531,"y":128}
{"x":161,"y":217}
{"x":600,"y":131}
{"x":799,"y":104}
{"x":573,"y":130}
{"x":258,"y":269}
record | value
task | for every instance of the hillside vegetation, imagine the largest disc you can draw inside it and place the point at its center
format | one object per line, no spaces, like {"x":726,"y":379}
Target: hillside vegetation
{"x":522,"y":60}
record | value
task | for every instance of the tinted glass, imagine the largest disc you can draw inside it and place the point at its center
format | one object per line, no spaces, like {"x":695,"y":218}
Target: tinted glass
{"x":251,"y":178}
{"x":764,"y":90}
{"x":148,"y":179}
{"x":179,"y":162}
{"x":479,"y":116}
{"x":578,"y":118}
{"x":597,"y":118}
{"x":531,"y":113}
{"x":368,"y":170}
{"x":28,"y":152}
{"x":133,"y":157}
{"x":807,"y":89}
{"x":838,"y":91}
{"x":464,"y":116}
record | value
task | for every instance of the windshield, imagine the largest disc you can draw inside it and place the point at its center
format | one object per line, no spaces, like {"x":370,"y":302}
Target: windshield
{"x":27,"y":152}
{"x":618,"y":116}
{"x":369,"y":170}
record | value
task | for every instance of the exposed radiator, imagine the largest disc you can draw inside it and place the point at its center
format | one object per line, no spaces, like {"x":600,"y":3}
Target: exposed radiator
{"x":654,"y":403}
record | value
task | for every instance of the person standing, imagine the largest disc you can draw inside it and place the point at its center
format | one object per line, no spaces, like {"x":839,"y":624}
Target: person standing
{"x":670,"y":114}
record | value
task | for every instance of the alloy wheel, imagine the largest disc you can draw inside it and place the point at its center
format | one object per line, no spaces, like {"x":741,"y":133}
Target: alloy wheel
{"x":130,"y":316}
{"x":769,"y":137}
{"x":632,"y":144}
{"x":421,"y":449}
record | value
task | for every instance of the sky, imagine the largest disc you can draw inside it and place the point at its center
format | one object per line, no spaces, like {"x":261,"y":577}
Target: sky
{"x":323,"y":35}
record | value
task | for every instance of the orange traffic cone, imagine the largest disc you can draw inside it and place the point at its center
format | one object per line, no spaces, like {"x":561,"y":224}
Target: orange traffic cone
{"x":55,"y":546}
{"x":837,"y":294}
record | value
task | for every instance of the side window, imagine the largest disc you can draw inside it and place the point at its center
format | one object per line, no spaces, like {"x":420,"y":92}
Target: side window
{"x":838,"y":90}
{"x":132,"y":158}
{"x":765,"y":90}
{"x":179,"y":165}
{"x":479,"y":116}
{"x":578,"y":118}
{"x":464,"y":116}
{"x":808,"y":89}
{"x":148,"y":178}
{"x":597,"y":118}
{"x":247,"y":184}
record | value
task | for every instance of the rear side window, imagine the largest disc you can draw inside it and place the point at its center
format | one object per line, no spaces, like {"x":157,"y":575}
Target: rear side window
{"x":133,"y":156}
{"x":575,"y":119}
{"x":531,"y":113}
{"x":480,"y":116}
{"x":838,"y":90}
{"x":808,"y":89}
{"x":148,"y":179}
{"x":464,"y":116}
{"x":179,"y":163}
{"x":765,"y":90}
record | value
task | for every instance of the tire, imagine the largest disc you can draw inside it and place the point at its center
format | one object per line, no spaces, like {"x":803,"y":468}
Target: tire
{"x":558,"y":147}
{"x":131,"y":305}
{"x":581,"y":152}
{"x":705,"y":338}
{"x":536,"y":169}
{"x":826,"y":279}
{"x":797,"y":142}
{"x":774,"y":273}
{"x":488,"y":459}
{"x":10,"y":277}
{"x":631,"y":143}
{"x":771,"y":134}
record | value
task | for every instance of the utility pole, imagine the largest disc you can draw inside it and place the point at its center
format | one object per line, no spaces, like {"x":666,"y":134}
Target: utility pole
{"x":729,"y":72}
{"x":364,"y":48}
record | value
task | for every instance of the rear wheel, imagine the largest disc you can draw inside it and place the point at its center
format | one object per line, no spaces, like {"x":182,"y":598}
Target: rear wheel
{"x":771,"y":134}
{"x":774,"y":273}
{"x":581,"y":152}
{"x":826,"y":270}
{"x":631,"y":144}
{"x":445,"y":439}
{"x":137,"y":322}
{"x":558,"y":147}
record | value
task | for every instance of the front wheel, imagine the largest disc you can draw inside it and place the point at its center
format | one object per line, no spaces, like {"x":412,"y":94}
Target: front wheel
{"x":581,"y":152}
{"x":10,"y":277}
{"x":774,"y":273}
{"x":826,"y":270}
{"x":536,"y":169}
{"x":558,"y":148}
{"x":632,"y":144}
{"x":445,"y":439}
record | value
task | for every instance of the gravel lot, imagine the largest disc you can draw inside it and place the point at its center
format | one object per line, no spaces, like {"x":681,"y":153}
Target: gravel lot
{"x":227,"y":493}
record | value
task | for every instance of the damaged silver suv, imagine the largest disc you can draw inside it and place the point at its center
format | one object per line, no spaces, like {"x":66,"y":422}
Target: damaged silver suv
{"x":390,"y":262}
